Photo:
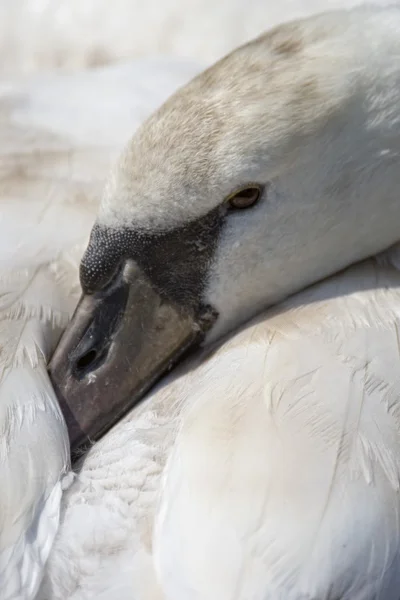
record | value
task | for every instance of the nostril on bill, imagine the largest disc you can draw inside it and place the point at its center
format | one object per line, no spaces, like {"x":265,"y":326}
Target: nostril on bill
{"x":92,"y":349}
{"x":86,"y":360}
{"x":93,"y":345}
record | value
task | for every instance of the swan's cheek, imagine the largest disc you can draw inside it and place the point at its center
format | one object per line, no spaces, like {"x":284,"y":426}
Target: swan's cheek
{"x":242,"y":272}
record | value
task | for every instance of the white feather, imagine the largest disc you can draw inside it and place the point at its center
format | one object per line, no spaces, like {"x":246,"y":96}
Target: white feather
{"x":34,"y":452}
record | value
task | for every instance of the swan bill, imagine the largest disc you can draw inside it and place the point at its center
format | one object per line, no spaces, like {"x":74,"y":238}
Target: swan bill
{"x":119,"y":343}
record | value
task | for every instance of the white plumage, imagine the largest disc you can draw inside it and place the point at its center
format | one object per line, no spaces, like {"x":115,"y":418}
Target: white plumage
{"x":267,"y":468}
{"x":282,"y":465}
{"x":309,"y":508}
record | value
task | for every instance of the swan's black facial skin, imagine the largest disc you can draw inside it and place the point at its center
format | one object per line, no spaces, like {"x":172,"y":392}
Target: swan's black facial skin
{"x":142,"y":309}
{"x":176,"y":261}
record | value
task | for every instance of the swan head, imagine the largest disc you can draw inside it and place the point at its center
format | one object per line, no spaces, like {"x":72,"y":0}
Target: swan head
{"x":276,"y":167}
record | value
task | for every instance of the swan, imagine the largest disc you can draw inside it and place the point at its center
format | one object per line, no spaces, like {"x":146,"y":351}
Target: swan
{"x":51,"y":175}
{"x":268,"y":465}
{"x":188,"y":495}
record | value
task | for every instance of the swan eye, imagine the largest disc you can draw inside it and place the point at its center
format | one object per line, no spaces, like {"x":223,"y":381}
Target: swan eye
{"x":245,"y":198}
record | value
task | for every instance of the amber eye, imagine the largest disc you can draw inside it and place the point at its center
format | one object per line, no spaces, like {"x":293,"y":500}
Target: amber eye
{"x":246,"y":197}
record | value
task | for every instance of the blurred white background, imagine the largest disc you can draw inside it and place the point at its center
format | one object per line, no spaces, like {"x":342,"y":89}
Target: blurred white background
{"x":71,"y":34}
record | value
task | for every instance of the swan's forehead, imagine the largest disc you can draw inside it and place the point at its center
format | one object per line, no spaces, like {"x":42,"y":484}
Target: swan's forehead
{"x":176,"y":169}
{"x":245,"y":113}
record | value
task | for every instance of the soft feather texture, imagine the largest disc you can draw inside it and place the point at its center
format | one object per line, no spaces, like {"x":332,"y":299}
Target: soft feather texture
{"x":34,"y":449}
{"x":283,"y":465}
{"x":286,"y":470}
{"x":301,"y":406}
{"x":51,"y":173}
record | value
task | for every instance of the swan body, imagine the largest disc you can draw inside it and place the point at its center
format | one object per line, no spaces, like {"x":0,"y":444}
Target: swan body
{"x":268,"y":467}
{"x":309,"y":508}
